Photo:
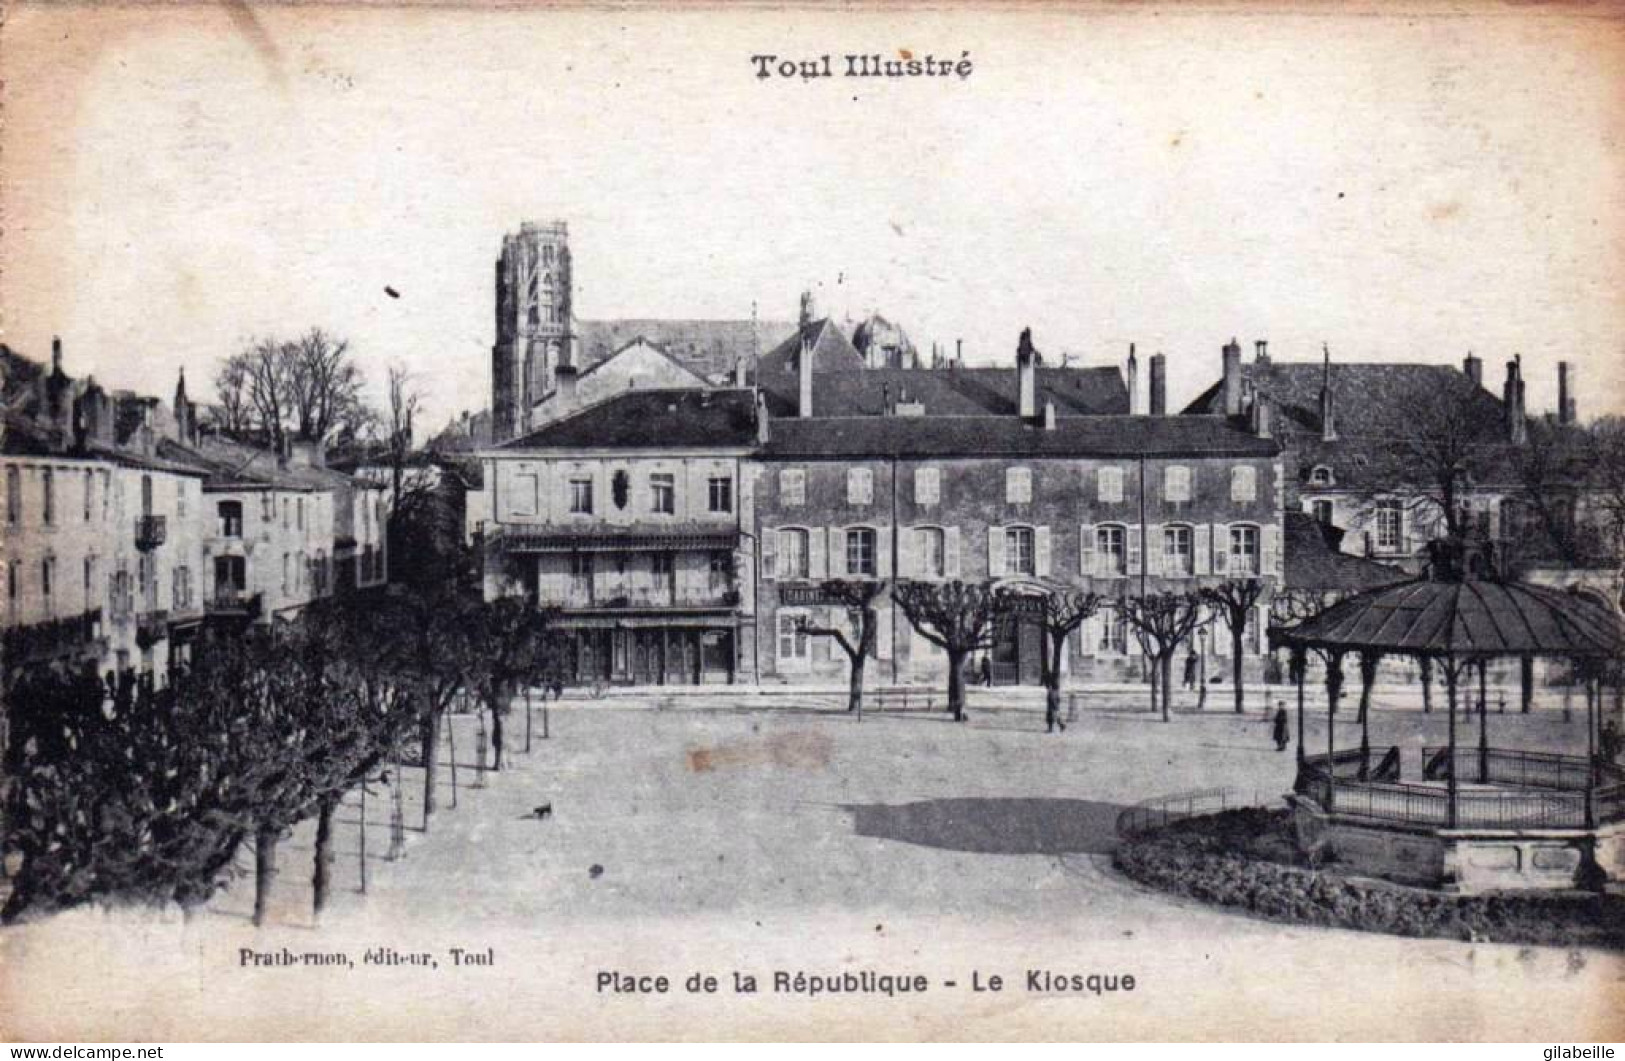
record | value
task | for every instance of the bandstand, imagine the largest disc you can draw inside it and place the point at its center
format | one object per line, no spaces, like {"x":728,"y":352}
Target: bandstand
{"x":1479,"y":815}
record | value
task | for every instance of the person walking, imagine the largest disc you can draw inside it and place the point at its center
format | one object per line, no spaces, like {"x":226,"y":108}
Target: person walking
{"x":1281,"y":729}
{"x":1052,"y":711}
{"x":1191,"y":668}
{"x":987,"y":671}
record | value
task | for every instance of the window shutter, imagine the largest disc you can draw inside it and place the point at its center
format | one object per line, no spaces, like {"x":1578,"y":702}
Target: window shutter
{"x":883,"y":547}
{"x":1221,"y":548}
{"x":950,"y":552}
{"x":770,"y":547}
{"x":883,"y":632}
{"x":1154,"y":545}
{"x":995,"y":552}
{"x":1270,"y":558}
{"x":1086,"y":549}
{"x":1041,"y":551}
{"x":1134,"y":550}
{"x":837,"y":552}
{"x":908,"y":560}
{"x":1202,"y":549}
{"x":817,"y":553}
{"x":1089,"y":635}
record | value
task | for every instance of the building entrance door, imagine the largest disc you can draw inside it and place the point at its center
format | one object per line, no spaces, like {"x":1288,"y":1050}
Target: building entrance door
{"x":1017,"y":654}
{"x":648,"y":657}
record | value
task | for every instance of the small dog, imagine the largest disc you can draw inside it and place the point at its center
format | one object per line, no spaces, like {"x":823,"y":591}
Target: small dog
{"x":542,"y":813}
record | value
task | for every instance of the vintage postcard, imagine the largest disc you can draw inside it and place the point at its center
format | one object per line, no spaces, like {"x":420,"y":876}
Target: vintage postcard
{"x":877,"y":521}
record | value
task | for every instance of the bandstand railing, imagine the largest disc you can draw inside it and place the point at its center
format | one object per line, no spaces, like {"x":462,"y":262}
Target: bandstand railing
{"x":1508,"y":766}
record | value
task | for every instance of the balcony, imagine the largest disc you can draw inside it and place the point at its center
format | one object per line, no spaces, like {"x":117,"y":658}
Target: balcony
{"x":233,"y":604}
{"x":715,"y":599}
{"x":49,"y":640}
{"x":150,"y":532}
{"x":151,"y":628}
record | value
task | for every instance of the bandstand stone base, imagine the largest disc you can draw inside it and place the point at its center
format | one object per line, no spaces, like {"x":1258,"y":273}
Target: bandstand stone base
{"x":1462,"y":861}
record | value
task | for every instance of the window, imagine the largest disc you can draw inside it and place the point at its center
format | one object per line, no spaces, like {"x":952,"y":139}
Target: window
{"x":48,"y":490}
{"x":286,"y":560}
{"x":860,"y":552}
{"x":12,"y":578}
{"x":1109,"y":486}
{"x":1111,"y":552}
{"x":581,"y":497}
{"x":1243,"y":484}
{"x":581,"y":576}
{"x":860,"y":486}
{"x":90,"y":492}
{"x":90,"y":580}
{"x":1177,"y":553}
{"x":663,"y":493}
{"x":792,"y":487}
{"x":299,"y":507}
{"x":792,"y":640}
{"x":927,"y":486}
{"x":180,"y":498}
{"x":1243,"y":550}
{"x":930,"y":549}
{"x":1390,"y":525}
{"x":719,"y":564}
{"x":1320,"y":475}
{"x":181,"y":592}
{"x":1018,"y":551}
{"x":286,"y":509}
{"x":14,"y":497}
{"x":1018,"y":486}
{"x":230,"y":519}
{"x":792,"y":559}
{"x":1176,"y":483}
{"x":661,"y":565}
{"x":267,"y":508}
{"x":720,"y":493}
{"x":1113,"y":632}
{"x":1323,"y":512}
{"x":47,"y":578}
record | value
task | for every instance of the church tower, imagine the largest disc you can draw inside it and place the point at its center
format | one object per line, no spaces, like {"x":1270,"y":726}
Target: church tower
{"x":533,"y":291}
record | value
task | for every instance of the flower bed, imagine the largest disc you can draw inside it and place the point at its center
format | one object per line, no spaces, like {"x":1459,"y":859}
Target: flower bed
{"x":1247,"y":859}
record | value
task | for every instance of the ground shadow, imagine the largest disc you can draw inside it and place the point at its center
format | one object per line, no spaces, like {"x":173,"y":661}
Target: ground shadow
{"x":994,"y":826}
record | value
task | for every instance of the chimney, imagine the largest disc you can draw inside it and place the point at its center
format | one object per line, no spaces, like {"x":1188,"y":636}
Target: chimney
{"x":1026,"y":376}
{"x":1159,"y":385}
{"x":959,"y":350}
{"x":740,"y":376}
{"x":564,"y":386}
{"x":804,"y":376}
{"x":303,"y":453}
{"x":1261,"y":354}
{"x":1049,"y":415}
{"x":885,"y":399}
{"x":56,"y":355}
{"x":1132,"y":379}
{"x":95,"y":415}
{"x":1512,"y":401}
{"x":762,"y":431}
{"x":1261,"y":417}
{"x":1232,"y":378}
{"x":1328,"y":422}
{"x":1472,"y":367}
{"x":1566,"y":407}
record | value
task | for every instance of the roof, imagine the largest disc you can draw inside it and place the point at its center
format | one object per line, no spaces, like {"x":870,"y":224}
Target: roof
{"x":655,"y":418}
{"x":1469,"y":617}
{"x":1000,"y":436}
{"x":831,"y":351}
{"x":230,"y":464}
{"x":707,"y":348}
{"x":1313,"y":561}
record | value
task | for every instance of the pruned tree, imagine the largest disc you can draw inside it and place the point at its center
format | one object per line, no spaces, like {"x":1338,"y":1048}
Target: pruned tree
{"x":1163,"y":622}
{"x":1236,"y":599}
{"x":857,"y":597}
{"x":1058,"y":612}
{"x":513,"y":640}
{"x":958,"y":617}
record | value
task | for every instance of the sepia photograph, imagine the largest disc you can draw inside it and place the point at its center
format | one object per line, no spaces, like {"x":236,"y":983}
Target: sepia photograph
{"x":812,"y":522}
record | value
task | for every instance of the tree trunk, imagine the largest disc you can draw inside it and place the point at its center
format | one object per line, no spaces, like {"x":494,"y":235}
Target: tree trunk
{"x":321,"y":879}
{"x":431,"y":752}
{"x":956,"y":685}
{"x":1236,"y":635}
{"x":496,"y":740}
{"x":1154,"y":668}
{"x":451,"y":757}
{"x":527,"y":718}
{"x":264,"y":871}
{"x":854,"y":683}
{"x":1165,"y":667}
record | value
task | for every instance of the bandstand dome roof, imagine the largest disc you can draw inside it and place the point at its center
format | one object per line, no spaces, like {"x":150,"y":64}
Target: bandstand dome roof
{"x":1465,"y":617}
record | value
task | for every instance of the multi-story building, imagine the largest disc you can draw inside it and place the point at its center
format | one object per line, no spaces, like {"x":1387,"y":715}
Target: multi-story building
{"x":684,"y":533}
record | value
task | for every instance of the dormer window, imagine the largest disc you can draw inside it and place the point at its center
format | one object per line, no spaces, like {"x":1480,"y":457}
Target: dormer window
{"x":1321,"y":475}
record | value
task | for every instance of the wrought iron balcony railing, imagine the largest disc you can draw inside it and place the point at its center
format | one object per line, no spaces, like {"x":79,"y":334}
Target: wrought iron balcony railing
{"x":150,"y":532}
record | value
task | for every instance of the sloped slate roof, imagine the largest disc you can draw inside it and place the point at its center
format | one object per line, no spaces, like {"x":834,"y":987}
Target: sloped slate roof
{"x":994,"y":436}
{"x":1369,"y":399}
{"x":1471,"y":617}
{"x":707,"y":348}
{"x":234,"y":464}
{"x":832,"y":352}
{"x":951,"y":392}
{"x":1314,"y":563}
{"x":652,"y":418}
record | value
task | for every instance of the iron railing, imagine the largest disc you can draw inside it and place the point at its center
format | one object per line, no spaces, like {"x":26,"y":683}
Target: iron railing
{"x":1155,"y":813}
{"x":150,"y":532}
{"x":1508,"y":766}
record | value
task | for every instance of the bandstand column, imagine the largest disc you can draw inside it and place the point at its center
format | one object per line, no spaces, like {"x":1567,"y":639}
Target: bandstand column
{"x":1300,"y":664}
{"x":1450,"y":777}
{"x":1483,"y":725}
{"x":1591,"y":754}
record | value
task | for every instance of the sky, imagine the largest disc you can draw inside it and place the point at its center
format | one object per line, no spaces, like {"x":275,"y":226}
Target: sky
{"x":1395,"y":183}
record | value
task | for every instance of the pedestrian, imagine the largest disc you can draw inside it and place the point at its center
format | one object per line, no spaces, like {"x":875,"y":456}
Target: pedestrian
{"x":987,"y":671}
{"x":1052,"y":711}
{"x":1191,"y":666}
{"x":1281,"y":729}
{"x":1610,"y":741}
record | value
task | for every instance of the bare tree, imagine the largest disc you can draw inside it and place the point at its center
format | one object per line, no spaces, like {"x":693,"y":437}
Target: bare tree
{"x":1236,"y":599}
{"x":1445,"y":447}
{"x":1162,"y":622}
{"x":404,"y":400}
{"x":307,"y":388}
{"x":957,"y":617}
{"x":235,"y":411}
{"x":1058,"y":613}
{"x":858,"y":598}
